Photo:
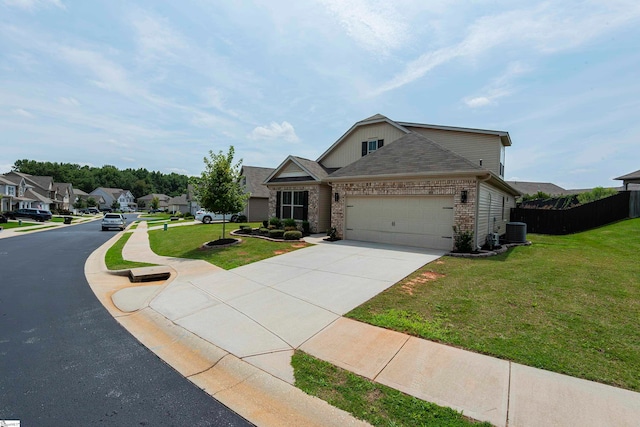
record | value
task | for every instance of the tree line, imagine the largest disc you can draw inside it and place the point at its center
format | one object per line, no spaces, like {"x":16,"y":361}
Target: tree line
{"x":87,"y":178}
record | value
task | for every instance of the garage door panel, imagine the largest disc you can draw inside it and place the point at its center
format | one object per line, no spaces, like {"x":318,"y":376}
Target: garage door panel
{"x":422,"y":221}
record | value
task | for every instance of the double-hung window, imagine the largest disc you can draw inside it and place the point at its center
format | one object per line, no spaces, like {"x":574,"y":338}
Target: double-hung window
{"x":293,"y":204}
{"x":371,"y":145}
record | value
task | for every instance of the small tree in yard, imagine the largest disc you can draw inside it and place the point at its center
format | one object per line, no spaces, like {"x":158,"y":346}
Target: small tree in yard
{"x":219,"y":190}
{"x":155,"y":202}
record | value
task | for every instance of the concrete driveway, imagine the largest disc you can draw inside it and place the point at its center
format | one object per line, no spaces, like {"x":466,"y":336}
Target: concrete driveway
{"x":263,"y":311}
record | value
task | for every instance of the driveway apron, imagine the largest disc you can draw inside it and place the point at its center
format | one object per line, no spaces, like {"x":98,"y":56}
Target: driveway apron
{"x":261,"y":312}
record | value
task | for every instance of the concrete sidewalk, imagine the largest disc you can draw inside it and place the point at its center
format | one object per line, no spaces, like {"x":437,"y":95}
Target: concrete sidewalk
{"x":253,"y":317}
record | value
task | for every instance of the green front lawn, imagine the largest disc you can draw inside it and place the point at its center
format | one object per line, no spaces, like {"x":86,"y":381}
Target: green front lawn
{"x":15,"y":224}
{"x":568,"y":304}
{"x":375,"y":403}
{"x":184,"y":242}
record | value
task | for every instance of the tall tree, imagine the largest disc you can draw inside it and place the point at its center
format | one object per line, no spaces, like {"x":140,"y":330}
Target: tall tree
{"x":218,"y":190}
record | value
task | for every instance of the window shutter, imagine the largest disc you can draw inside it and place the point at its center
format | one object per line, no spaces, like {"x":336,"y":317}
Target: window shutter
{"x":380,"y":143}
{"x":305,"y":206}
{"x":364,"y":148}
{"x":278,"y":197}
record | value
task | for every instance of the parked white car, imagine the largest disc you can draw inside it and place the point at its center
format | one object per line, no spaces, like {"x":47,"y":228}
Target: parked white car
{"x":208,"y":217}
{"x":113,"y":220}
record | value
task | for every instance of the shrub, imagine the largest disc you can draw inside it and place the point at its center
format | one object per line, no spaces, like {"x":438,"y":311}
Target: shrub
{"x":463,"y":240}
{"x":245,"y":229}
{"x":188,"y":215}
{"x":292,"y":235}
{"x":274,"y":221}
{"x":242,"y":218}
{"x":290,"y":222}
{"x":290,"y":228}
{"x":276,"y":234}
{"x":264,"y":231}
{"x":596,"y":194}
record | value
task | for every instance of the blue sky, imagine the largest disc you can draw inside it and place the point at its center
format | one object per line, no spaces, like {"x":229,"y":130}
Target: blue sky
{"x":157,"y":84}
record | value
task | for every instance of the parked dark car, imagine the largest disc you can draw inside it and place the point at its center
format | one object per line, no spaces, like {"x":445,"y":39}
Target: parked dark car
{"x":34,"y":214}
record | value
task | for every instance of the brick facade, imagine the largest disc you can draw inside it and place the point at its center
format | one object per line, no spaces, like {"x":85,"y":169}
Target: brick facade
{"x":314,"y":202}
{"x":463,"y":213}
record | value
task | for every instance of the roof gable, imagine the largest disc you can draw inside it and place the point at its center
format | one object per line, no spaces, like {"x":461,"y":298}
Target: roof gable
{"x":297,"y":169}
{"x":377,"y":118}
{"x":411,"y":154}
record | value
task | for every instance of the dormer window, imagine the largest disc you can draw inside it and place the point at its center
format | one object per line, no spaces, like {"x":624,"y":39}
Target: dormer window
{"x":371,"y":145}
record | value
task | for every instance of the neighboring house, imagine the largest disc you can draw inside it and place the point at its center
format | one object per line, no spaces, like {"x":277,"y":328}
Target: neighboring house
{"x":64,"y":195}
{"x":531,"y":188}
{"x":109,"y":195}
{"x":192,"y":200}
{"x":178,"y":204}
{"x":81,"y":195}
{"x":630,"y":181}
{"x":8,"y":191}
{"x":400,"y":183}
{"x":253,"y":178}
{"x":163,"y":201}
{"x":27,"y":191}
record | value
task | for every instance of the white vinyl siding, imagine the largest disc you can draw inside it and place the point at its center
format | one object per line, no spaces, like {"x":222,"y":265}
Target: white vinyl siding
{"x":350,"y":149}
{"x":421,"y":221}
{"x":472,"y":146}
{"x":494,"y":209}
{"x":291,"y":170}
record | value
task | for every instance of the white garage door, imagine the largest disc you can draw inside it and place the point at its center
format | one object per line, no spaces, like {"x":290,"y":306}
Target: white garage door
{"x":422,"y":221}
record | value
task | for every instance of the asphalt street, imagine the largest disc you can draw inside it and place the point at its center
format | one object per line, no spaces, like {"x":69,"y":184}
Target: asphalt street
{"x":65,"y":361}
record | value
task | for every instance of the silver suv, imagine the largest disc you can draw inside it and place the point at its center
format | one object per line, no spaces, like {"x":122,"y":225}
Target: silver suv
{"x":113,"y":220}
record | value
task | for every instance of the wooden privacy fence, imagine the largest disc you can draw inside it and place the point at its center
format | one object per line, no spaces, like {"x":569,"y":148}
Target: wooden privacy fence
{"x":623,"y":205}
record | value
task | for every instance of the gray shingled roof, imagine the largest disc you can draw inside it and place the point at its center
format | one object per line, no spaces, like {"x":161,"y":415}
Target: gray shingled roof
{"x":629,"y":176}
{"x":312,"y":166}
{"x":410,"y":154}
{"x":255,"y":177}
{"x":526,"y":187}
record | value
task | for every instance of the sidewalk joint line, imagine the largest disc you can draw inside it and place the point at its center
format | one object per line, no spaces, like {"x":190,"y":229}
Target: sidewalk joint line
{"x":392,"y":357}
{"x":506,"y":423}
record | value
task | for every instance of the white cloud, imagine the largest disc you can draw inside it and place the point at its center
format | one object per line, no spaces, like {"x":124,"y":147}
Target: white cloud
{"x":110,"y":76}
{"x":23,"y":113}
{"x":69,"y":101}
{"x":546,"y":28}
{"x":156,"y":37}
{"x":284,"y":131}
{"x":32,"y":5}
{"x":128,"y":159}
{"x":117,"y":143}
{"x":178,"y":171}
{"x":376,"y":26}
{"x":500,"y":87}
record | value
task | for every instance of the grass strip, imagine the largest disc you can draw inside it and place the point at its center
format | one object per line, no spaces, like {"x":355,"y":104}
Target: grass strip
{"x":36,"y":228}
{"x":375,"y":403}
{"x":113,"y":258}
{"x":15,"y":224}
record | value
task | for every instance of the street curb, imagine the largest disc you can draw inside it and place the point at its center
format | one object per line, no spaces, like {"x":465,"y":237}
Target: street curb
{"x":254,"y":394}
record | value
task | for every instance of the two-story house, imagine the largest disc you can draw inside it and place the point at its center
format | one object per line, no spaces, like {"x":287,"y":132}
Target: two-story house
{"x":400,"y":183}
{"x":146,"y":201}
{"x":27,"y":191}
{"x":109,"y":195}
